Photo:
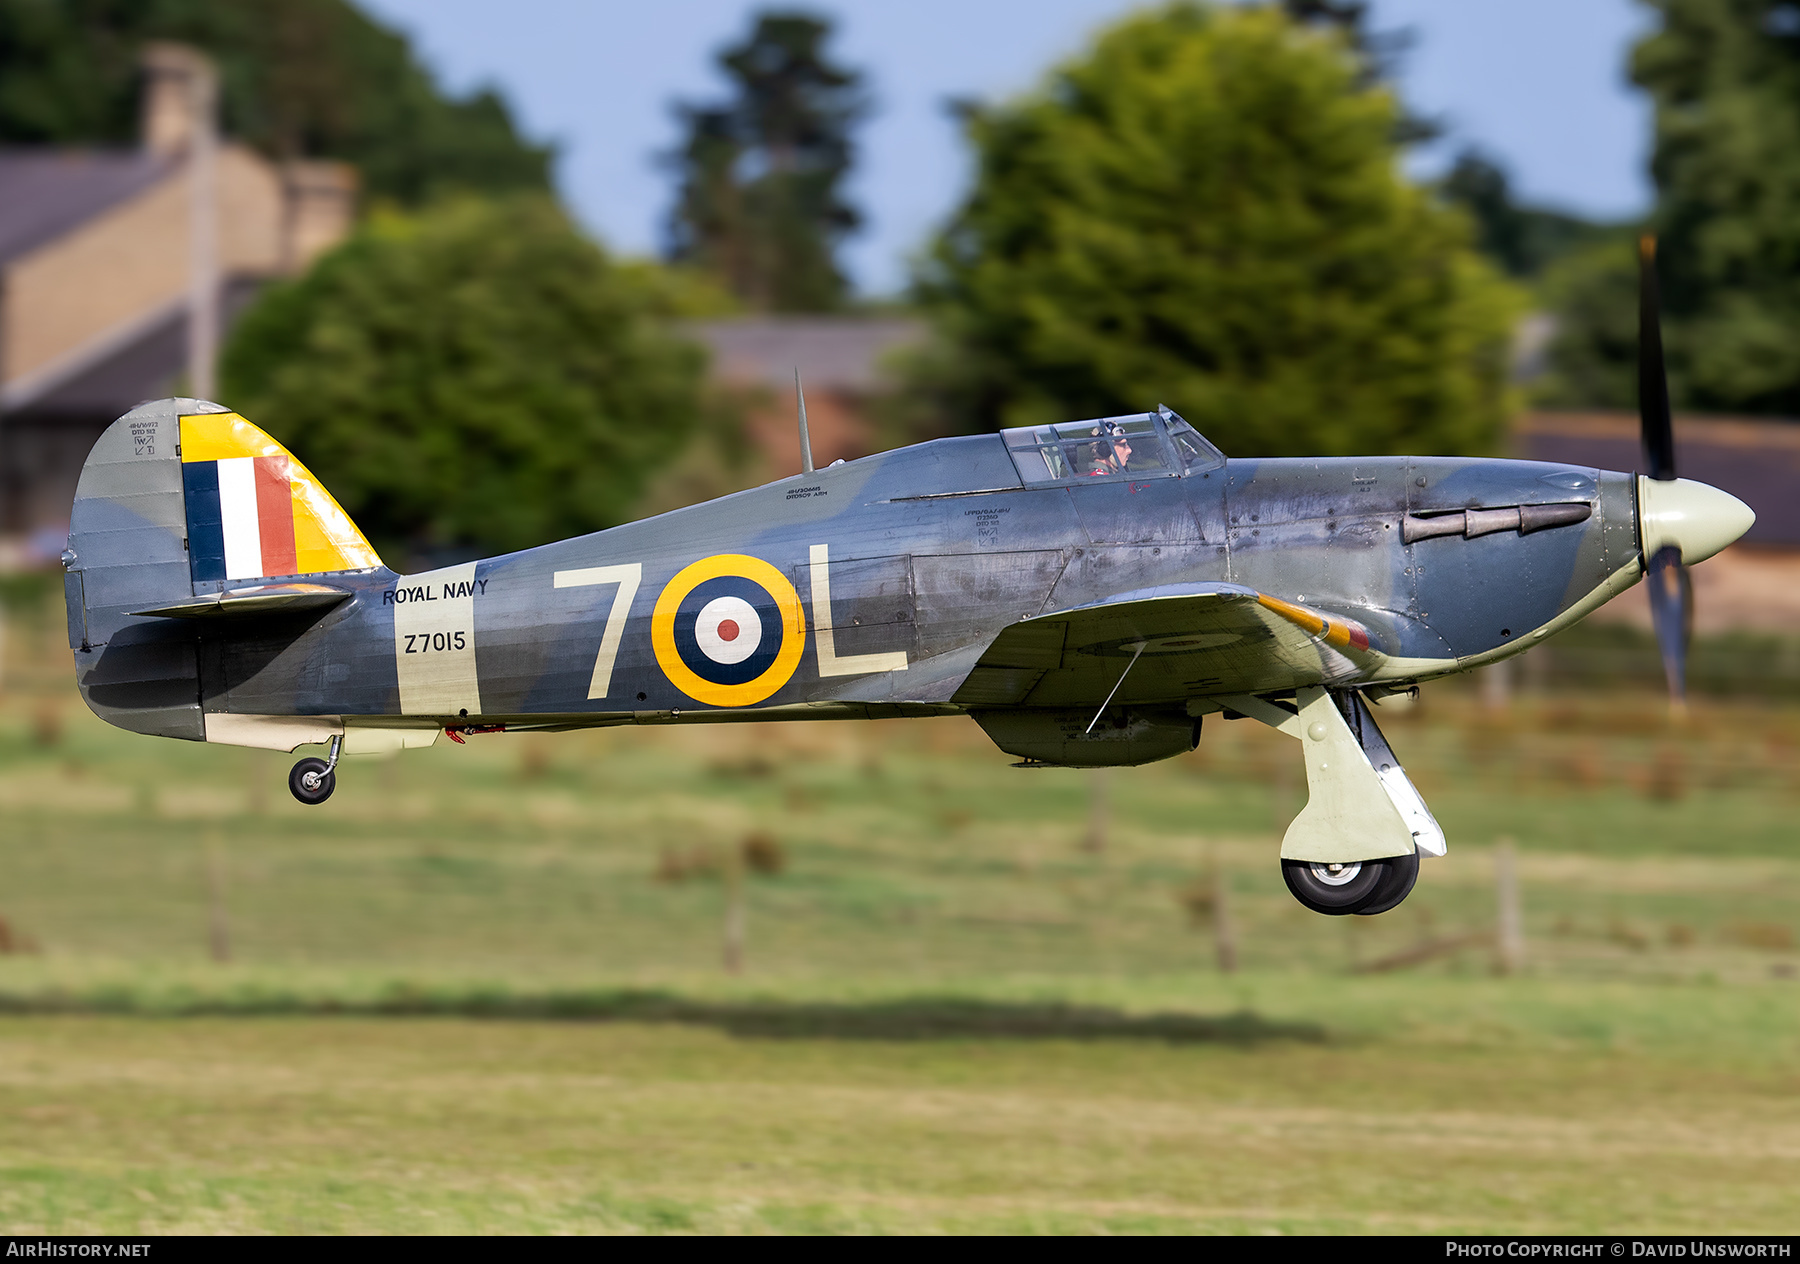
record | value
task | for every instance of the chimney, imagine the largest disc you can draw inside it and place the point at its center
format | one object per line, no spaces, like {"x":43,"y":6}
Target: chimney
{"x":319,"y":209}
{"x":181,"y":103}
{"x":176,"y":78}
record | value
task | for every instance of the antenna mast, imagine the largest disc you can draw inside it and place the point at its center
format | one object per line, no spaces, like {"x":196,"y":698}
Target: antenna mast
{"x":806,"y":464}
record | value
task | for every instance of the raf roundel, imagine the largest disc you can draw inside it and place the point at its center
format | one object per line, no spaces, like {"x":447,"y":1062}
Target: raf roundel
{"x":728,"y":630}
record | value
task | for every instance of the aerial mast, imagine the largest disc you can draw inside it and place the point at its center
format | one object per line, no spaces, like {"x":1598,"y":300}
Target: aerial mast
{"x":806,"y":461}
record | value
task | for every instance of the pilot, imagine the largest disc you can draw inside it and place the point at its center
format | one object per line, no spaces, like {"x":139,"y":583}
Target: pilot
{"x":1112,"y":455}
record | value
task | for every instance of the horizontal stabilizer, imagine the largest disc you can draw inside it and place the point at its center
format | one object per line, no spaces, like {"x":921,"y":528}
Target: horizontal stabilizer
{"x":240,"y":603}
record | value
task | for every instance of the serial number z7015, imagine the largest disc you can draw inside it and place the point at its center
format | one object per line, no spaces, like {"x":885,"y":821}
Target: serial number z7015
{"x":435,"y":642}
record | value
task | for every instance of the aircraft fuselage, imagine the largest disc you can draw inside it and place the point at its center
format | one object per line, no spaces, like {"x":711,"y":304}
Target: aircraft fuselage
{"x":912,"y":561}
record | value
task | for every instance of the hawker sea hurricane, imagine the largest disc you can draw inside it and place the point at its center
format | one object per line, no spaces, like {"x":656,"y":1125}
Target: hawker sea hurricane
{"x":1087,"y":592}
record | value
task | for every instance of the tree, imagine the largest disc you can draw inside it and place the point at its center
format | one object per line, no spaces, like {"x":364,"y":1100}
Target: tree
{"x":299,"y":78}
{"x":760,"y":204}
{"x":1205,"y":210}
{"x":1523,"y":240}
{"x":1725,"y":79}
{"x":1725,"y":76}
{"x":479,"y":375}
{"x":1592,"y":357}
{"x":1378,"y":52}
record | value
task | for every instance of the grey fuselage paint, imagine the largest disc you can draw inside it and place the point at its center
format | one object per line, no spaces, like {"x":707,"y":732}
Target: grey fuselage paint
{"x":932,"y":551}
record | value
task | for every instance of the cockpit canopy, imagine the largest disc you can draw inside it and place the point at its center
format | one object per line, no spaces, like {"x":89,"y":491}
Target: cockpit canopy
{"x":1140,"y":445}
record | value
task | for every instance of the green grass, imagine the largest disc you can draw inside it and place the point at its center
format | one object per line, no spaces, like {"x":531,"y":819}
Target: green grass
{"x":913,"y":852}
{"x":355,"y":1124}
{"x":461,"y":998}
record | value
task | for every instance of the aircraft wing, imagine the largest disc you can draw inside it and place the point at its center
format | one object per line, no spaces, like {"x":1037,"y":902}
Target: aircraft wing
{"x":1189,"y":641}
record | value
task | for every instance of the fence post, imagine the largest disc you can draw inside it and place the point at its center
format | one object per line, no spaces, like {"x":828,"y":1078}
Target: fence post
{"x":734,"y":909}
{"x":218,"y":927}
{"x":1224,"y":930}
{"x":1497,"y":685}
{"x":1510,"y":938}
{"x":1099,"y":809}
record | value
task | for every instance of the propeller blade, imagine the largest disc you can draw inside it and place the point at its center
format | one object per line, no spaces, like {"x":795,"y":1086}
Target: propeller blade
{"x":1671,"y":591}
{"x":1672,"y":610}
{"x":1653,"y":380}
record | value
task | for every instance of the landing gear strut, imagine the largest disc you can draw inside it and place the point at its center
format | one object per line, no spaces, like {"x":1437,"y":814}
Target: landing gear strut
{"x":1366,"y":887}
{"x":1359,"y":800}
{"x":312,"y":780}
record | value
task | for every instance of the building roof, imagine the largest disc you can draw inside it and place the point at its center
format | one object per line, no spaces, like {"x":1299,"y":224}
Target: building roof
{"x":831,"y":352}
{"x":45,"y":192}
{"x":1755,"y":459}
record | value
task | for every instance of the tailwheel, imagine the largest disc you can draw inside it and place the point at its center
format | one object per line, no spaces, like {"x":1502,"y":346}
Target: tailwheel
{"x":313,"y":780}
{"x":1366,"y":886}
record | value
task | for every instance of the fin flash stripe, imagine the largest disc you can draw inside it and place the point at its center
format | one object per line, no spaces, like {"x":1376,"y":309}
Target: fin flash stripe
{"x":254,"y":512}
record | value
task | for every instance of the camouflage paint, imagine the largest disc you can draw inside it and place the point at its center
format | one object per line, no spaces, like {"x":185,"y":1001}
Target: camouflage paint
{"x":929,"y":553}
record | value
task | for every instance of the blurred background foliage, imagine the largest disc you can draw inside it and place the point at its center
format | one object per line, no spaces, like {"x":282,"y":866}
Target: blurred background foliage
{"x":1523,"y":240}
{"x":1206,"y":209}
{"x":760,"y":203}
{"x":1725,"y":79}
{"x":1209,"y":206}
{"x":479,"y":374}
{"x":298,"y":79}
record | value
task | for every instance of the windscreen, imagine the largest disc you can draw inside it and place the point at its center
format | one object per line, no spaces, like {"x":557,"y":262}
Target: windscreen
{"x":1190,"y":445}
{"x":1105,"y":447}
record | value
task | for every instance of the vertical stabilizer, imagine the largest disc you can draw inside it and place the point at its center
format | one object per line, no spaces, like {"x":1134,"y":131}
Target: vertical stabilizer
{"x":254,"y":512}
{"x":180,"y":498}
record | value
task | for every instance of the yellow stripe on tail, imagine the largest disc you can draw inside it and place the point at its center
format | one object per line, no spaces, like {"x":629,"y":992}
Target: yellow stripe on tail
{"x":325,"y":539}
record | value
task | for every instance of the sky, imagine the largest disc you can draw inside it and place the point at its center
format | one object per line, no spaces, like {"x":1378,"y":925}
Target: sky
{"x":1537,"y":84}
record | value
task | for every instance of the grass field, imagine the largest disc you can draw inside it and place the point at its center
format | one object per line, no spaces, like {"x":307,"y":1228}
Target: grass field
{"x":481,"y":990}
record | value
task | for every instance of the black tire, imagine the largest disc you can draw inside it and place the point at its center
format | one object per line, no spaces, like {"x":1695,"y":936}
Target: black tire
{"x":326,"y":781}
{"x":1335,"y":890}
{"x":1402,"y":874}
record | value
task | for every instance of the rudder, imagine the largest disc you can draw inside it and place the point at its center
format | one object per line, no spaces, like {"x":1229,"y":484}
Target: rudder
{"x":254,"y":512}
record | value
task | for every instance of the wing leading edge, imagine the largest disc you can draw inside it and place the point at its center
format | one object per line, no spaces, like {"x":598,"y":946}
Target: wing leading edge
{"x":1167,"y":645}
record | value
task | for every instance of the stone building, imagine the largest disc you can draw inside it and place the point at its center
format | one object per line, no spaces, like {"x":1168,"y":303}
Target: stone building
{"x":96,"y":269}
{"x":843,"y":365}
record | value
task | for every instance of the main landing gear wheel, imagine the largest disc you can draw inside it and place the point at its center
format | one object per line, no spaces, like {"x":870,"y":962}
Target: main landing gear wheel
{"x":1402,"y":874}
{"x":312,"y":781}
{"x":1368,"y":886}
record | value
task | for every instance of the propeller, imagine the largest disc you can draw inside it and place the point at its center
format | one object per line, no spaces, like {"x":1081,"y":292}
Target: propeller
{"x":1671,"y":591}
